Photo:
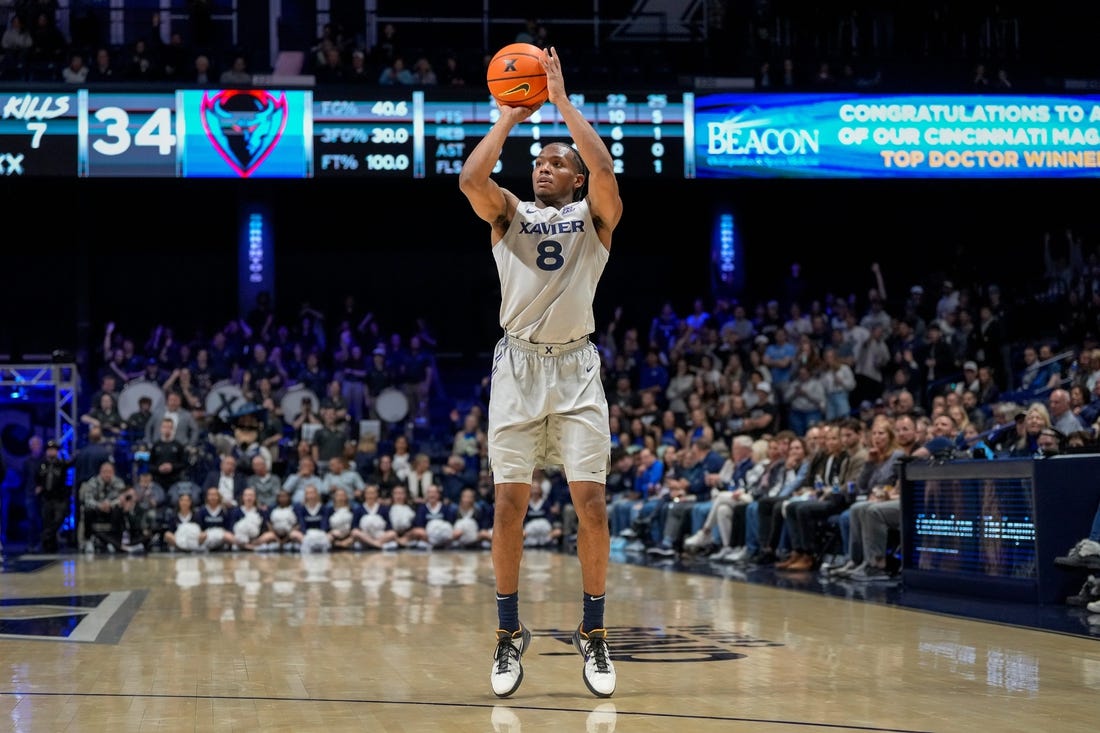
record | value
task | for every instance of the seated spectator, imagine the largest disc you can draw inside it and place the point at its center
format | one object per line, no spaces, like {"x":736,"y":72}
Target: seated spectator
{"x":1062,"y":417}
{"x":401,"y":515}
{"x":433,"y":525}
{"x":311,"y":533}
{"x":248,"y":520}
{"x":296,"y":483}
{"x":237,"y":74}
{"x":229,"y":482}
{"x":685,"y":491}
{"x":182,"y":515}
{"x":265,"y":484}
{"x":764,"y":517}
{"x":76,"y":72}
{"x":830,"y":497}
{"x":342,"y":516}
{"x":397,"y":74}
{"x":213,"y":518}
{"x":99,"y":498}
{"x":340,"y":476}
{"x":473,"y":524}
{"x":202,"y":72}
{"x":373,"y":530}
{"x":105,"y":416}
{"x":1036,"y":418}
{"x":282,"y":522}
{"x":542,"y":525}
{"x":455,"y":477}
{"x":386,"y":478}
{"x":150,"y":503}
{"x":420,"y":477}
{"x":877,"y":505}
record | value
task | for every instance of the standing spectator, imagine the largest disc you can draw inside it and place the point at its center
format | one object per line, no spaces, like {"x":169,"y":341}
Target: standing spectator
{"x":174,"y":58}
{"x":49,"y":42}
{"x":26,"y":493}
{"x":200,"y":15}
{"x":167,"y":456}
{"x":187,"y":430}
{"x":838,"y":381}
{"x":16,"y":41}
{"x":388,"y":46}
{"x":328,"y":441}
{"x":52,"y":488}
{"x":141,"y":65}
{"x":92,"y":455}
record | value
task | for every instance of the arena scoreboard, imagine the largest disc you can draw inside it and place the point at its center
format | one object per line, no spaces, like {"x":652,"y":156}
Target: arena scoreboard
{"x":296,"y":133}
{"x":426,"y":133}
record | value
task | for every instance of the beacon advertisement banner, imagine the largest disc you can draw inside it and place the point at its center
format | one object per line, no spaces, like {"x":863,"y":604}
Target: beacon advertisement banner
{"x":896,"y":136}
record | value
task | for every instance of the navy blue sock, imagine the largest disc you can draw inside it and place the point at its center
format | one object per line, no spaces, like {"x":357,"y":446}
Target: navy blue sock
{"x":508,"y":611}
{"x":593,"y":612}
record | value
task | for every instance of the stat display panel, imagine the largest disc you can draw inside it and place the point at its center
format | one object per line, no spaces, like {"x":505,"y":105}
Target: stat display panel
{"x":323,"y":133}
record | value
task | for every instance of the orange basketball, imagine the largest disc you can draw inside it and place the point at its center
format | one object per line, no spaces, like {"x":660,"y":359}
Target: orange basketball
{"x":515,"y":76}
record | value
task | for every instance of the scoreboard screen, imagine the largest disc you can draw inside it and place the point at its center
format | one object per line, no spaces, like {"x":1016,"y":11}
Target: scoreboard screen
{"x":423,"y":133}
{"x":323,"y":133}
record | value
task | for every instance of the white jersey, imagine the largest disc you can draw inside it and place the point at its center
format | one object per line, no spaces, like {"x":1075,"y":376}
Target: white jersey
{"x":549,"y":263}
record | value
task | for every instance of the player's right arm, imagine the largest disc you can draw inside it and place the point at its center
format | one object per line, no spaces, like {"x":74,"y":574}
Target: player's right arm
{"x":490,"y":202}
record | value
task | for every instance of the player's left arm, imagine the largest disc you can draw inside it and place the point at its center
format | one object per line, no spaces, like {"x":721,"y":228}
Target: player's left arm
{"x":603,"y":187}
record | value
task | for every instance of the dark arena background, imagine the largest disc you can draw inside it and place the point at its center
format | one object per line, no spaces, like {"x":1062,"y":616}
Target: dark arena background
{"x":151,"y":251}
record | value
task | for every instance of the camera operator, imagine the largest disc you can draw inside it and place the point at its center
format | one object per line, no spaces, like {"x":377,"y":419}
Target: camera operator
{"x":55,"y":492}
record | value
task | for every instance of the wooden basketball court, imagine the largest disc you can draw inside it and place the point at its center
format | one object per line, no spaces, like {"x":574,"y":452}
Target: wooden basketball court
{"x":403,"y":642}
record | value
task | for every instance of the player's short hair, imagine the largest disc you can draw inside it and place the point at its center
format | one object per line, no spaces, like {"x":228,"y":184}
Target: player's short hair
{"x":578,"y":163}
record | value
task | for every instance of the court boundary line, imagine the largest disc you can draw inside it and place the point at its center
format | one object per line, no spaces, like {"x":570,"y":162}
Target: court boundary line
{"x":485,"y":706}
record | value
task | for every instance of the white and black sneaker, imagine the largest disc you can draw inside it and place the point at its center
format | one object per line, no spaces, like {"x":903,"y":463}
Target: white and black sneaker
{"x":599,"y":672}
{"x":507,"y":671}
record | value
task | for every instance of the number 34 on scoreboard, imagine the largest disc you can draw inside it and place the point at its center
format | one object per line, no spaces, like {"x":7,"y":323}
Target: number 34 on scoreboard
{"x":197,"y":133}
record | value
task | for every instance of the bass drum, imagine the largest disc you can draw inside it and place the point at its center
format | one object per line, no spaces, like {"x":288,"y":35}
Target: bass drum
{"x":224,"y":400}
{"x":291,"y":404}
{"x":132,"y":393}
{"x":392,"y":405}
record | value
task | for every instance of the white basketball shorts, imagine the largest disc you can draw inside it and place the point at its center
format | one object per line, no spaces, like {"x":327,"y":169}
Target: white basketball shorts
{"x":547,"y":407}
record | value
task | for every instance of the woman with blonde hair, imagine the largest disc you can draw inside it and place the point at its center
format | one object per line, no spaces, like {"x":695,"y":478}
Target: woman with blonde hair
{"x":877,"y":483}
{"x":1036,"y":418}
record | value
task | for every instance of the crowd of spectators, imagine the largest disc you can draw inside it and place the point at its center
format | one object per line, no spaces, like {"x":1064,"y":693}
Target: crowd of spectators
{"x":832,"y":48}
{"x":739,"y":430}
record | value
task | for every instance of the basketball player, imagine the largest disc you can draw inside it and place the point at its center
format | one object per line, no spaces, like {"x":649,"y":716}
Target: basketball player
{"x":547,"y":404}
